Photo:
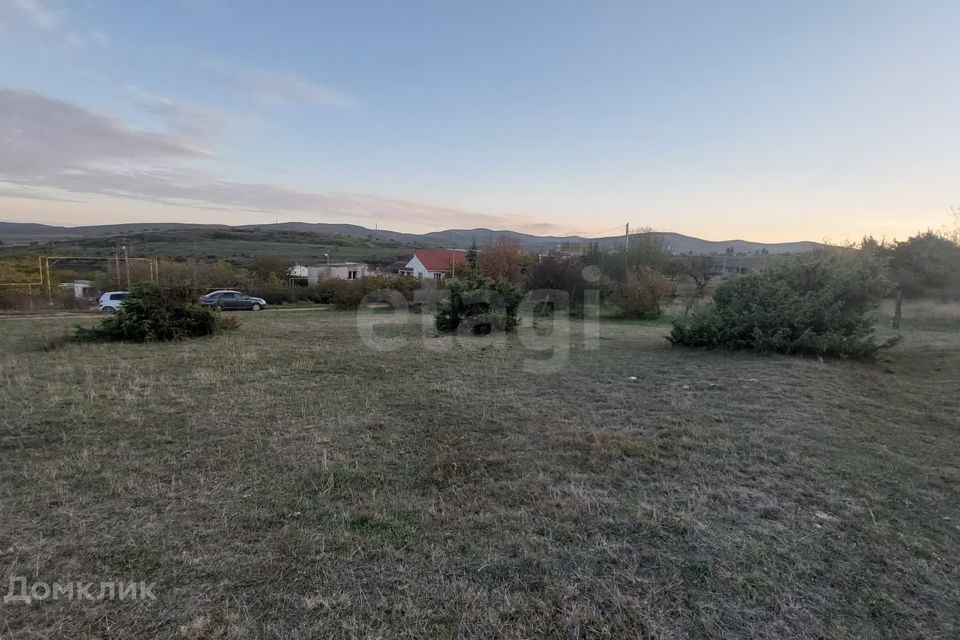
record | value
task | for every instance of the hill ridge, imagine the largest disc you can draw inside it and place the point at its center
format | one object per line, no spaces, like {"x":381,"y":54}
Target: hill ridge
{"x":27,"y":232}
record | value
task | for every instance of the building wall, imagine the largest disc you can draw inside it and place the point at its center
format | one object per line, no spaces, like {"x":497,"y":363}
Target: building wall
{"x":342,"y":272}
{"x":420,"y":271}
{"x":79,"y":289}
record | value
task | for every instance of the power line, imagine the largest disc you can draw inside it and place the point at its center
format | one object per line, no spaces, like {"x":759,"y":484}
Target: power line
{"x":600,"y":234}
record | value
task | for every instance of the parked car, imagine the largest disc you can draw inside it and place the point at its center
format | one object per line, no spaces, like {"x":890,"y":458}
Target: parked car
{"x":111,"y":301}
{"x":232,"y":300}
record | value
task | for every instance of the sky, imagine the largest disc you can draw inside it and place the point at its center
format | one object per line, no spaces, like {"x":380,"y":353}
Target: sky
{"x":768,"y":121}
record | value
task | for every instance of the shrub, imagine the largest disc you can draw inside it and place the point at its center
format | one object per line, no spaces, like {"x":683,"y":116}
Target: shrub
{"x":22,"y":300}
{"x":559,"y":274}
{"x":640,"y":295}
{"x":479,"y":304}
{"x":404,"y":284}
{"x":276,"y":295}
{"x":11,"y":299}
{"x":816,"y":304}
{"x":345,"y":294}
{"x":155,"y":313}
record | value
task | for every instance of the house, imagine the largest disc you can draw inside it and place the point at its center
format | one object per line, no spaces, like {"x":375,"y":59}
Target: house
{"x":79,"y":289}
{"x":435,"y":264}
{"x":399,"y":267}
{"x":728,"y":265}
{"x":298,"y":271}
{"x":341,"y":270}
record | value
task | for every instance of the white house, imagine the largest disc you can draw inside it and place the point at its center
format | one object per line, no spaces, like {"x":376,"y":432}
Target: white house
{"x":341,"y":270}
{"x":298,"y":271}
{"x":435,"y":264}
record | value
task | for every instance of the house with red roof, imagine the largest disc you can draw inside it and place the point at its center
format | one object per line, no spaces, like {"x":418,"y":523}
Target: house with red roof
{"x":435,"y":264}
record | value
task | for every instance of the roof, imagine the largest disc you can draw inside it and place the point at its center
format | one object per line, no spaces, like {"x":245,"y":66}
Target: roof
{"x":441,"y":259}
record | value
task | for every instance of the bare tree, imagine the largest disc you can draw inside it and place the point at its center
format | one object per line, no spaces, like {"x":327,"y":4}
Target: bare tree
{"x":698,"y":269}
{"x":502,"y":260}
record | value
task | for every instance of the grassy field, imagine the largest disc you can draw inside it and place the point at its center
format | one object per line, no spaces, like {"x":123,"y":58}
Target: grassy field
{"x":234,"y":244}
{"x":287,"y":481}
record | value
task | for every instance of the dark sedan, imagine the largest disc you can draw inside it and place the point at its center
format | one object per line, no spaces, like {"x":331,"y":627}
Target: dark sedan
{"x":232,"y":300}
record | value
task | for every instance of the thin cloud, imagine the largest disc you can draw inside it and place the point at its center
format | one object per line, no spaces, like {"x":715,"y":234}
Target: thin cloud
{"x":55,"y":149}
{"x":186,"y":120}
{"x":279,"y":87}
{"x":184,"y":187}
{"x":43,"y":136}
{"x":48,"y":22}
{"x":33,"y":11}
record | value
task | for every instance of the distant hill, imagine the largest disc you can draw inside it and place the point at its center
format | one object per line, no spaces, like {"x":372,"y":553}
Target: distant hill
{"x":451,"y":238}
{"x":681,"y":244}
{"x":25,"y":233}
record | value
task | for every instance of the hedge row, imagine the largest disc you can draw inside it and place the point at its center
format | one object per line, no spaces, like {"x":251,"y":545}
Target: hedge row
{"x":345,"y":294}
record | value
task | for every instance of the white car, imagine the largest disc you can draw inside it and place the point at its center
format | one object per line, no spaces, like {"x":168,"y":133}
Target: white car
{"x":111,"y":301}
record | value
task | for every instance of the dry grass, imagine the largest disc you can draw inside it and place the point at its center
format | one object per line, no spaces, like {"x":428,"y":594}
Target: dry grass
{"x":926,"y":314}
{"x":287,"y":482}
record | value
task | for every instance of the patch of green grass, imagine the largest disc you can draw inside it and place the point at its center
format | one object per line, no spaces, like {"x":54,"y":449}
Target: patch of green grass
{"x":394,"y":529}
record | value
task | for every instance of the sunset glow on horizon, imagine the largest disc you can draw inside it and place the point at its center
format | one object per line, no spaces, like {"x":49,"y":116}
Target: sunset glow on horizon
{"x":767,"y":122}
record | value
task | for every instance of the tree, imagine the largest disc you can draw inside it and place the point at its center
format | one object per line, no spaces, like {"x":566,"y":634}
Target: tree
{"x":643,"y":250}
{"x":954,"y":233}
{"x":647,"y":250}
{"x":926,"y":263}
{"x":593,"y":255}
{"x":271,"y":268}
{"x":502,"y":261}
{"x":640,"y":294}
{"x":558,"y":274}
{"x":699,"y":270}
{"x":472,"y":254}
{"x":478,"y":305}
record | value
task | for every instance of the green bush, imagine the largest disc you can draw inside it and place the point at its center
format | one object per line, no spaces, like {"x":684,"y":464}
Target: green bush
{"x":817,"y":304}
{"x":154,"y":313}
{"x":404,"y":284}
{"x":479,"y":305}
{"x":345,"y":294}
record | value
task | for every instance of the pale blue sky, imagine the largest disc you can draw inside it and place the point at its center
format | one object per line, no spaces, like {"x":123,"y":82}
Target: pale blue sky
{"x":764,"y":120}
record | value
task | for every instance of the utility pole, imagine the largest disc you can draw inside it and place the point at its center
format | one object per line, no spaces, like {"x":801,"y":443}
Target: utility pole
{"x":126,"y":260}
{"x":116,"y":256}
{"x":49,"y":281}
{"x":626,"y":250}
